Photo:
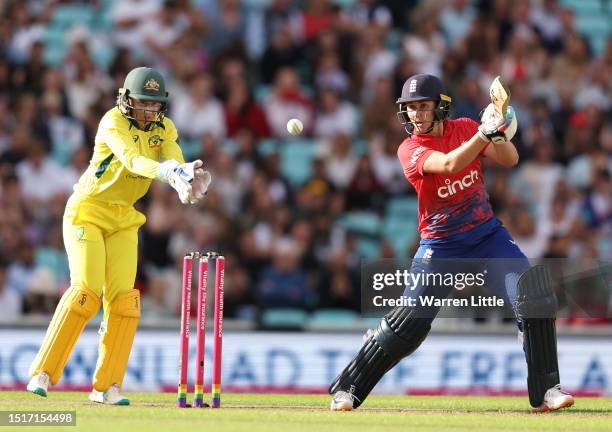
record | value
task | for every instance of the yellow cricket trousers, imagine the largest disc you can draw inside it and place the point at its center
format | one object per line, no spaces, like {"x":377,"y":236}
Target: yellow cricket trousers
{"x":101,"y":241}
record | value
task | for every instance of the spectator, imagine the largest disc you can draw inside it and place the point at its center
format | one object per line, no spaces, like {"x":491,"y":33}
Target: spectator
{"x":198,"y":112}
{"x":11,"y":301}
{"x":341,"y":162}
{"x":531,"y":237}
{"x":379,"y":112}
{"x":242,"y":112}
{"x":67,"y":134}
{"x":85,"y":83}
{"x":365,"y":12}
{"x":456,"y":20}
{"x":284,"y":284}
{"x":17,"y":150}
{"x":384,"y":164}
{"x":286,"y":102}
{"x":281,"y":52}
{"x":334,"y":115}
{"x":316,"y":18}
{"x":162,"y":217}
{"x":161,"y":31}
{"x":364,"y":189}
{"x":43,"y":294}
{"x":238,"y":301}
{"x":330,"y":75}
{"x":20,"y":272}
{"x":374,"y":62}
{"x":128,"y":17}
{"x":546,"y":18}
{"x":426,"y":46}
{"x":227,"y":32}
{"x":40,"y":177}
{"x":536,"y":179}
{"x":598,"y":204}
{"x":229,"y":186}
{"x":339,"y":292}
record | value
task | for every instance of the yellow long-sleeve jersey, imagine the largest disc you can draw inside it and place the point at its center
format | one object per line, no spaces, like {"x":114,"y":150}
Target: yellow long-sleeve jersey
{"x":126,"y":159}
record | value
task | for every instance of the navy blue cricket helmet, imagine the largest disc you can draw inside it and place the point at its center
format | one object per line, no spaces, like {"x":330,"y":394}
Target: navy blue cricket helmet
{"x":423,"y":87}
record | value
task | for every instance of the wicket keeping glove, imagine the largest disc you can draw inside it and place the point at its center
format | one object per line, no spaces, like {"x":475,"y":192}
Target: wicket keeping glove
{"x":180,"y":177}
{"x":200,"y":184}
{"x":492,"y":125}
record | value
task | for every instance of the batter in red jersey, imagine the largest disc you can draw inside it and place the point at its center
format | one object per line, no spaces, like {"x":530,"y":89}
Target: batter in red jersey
{"x":441,"y":159}
{"x":449,"y":202}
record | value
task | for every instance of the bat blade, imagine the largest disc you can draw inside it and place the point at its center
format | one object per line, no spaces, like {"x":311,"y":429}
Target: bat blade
{"x":500,"y":95}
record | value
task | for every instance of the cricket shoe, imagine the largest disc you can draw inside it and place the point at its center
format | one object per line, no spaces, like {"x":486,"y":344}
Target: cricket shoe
{"x":342,"y":401}
{"x":39,"y":384}
{"x":109,"y":397}
{"x":554,"y":399}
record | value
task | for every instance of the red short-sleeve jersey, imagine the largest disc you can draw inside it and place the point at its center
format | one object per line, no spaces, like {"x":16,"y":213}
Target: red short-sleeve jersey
{"x":448,"y":203}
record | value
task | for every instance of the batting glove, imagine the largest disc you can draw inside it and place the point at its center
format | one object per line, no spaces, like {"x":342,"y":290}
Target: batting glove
{"x":492,"y":125}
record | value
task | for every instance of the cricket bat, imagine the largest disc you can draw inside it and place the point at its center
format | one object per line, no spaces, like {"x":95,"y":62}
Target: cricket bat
{"x":500,"y":95}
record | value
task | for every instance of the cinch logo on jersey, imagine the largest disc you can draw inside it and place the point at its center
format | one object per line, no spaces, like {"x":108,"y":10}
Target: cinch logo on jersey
{"x":458,"y":185}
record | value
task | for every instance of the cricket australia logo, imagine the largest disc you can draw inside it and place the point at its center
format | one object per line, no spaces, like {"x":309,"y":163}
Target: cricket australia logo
{"x":79,"y":232}
{"x":155,"y":141}
{"x":151,"y":85}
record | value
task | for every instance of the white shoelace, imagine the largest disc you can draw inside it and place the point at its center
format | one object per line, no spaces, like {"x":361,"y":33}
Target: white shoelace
{"x":113,"y":390}
{"x":44,"y":379}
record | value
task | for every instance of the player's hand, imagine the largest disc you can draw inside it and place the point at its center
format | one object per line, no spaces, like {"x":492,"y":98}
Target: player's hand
{"x":492,"y":125}
{"x":180,"y":177}
{"x":200,"y":184}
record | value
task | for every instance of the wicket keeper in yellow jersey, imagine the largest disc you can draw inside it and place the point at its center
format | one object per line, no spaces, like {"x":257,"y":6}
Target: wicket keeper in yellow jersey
{"x":100,"y":230}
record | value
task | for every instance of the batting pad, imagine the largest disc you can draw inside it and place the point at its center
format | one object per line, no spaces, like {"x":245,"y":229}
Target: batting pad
{"x":537,"y":307}
{"x":116,"y":340}
{"x":76,"y":307}
{"x":398,"y":335}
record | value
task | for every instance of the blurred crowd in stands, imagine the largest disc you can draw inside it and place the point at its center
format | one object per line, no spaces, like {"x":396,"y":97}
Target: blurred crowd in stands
{"x":237,"y":71}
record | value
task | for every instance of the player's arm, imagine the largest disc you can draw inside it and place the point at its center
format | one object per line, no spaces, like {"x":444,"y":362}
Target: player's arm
{"x":119,"y":143}
{"x":179,"y":176}
{"x":457,"y":159}
{"x":504,"y":154}
{"x":173,"y":155}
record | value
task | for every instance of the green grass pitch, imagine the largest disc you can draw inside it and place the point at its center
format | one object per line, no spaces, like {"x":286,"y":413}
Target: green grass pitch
{"x":155,"y":412}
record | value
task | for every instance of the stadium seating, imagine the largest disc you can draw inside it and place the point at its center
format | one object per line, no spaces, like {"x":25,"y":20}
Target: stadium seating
{"x":296,"y":159}
{"x":362,"y":223}
{"x":332,"y":318}
{"x":594,"y":20}
{"x":283,"y":318}
{"x":401,"y":233}
{"x":402,"y":207}
{"x":69,"y":15}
